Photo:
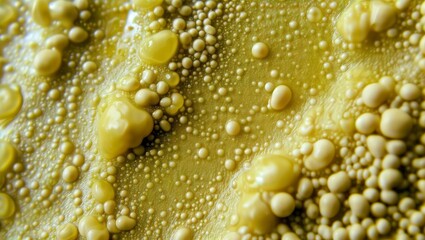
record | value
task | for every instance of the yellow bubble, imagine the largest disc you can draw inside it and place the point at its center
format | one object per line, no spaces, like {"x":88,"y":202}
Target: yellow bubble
{"x":63,"y":11}
{"x":47,"y":62}
{"x":271,"y":172}
{"x":396,"y":123}
{"x":7,"y":156}
{"x":57,"y":41}
{"x":354,"y":23}
{"x":383,"y":15}
{"x":159,"y":48}
{"x":10,"y":101}
{"x":280,"y":98}
{"x":282,"y":204}
{"x":7,"y":206}
{"x":125,"y":223}
{"x":129,"y":83}
{"x":70,"y":174}
{"x":92,"y":229}
{"x":102,"y":191}
{"x":183,"y":233}
{"x":122,"y":126}
{"x":329,"y":205}
{"x":67,"y":232}
{"x":146,"y":97}
{"x":255,"y":213}
{"x":7,"y":14}
{"x":40,"y":13}
{"x":172,"y":79}
{"x":78,"y":34}
{"x":177,"y":101}
{"x":322,"y":155}
{"x":260,"y":50}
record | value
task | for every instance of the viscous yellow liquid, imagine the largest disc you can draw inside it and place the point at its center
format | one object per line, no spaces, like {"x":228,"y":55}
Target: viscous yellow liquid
{"x":212,"y":119}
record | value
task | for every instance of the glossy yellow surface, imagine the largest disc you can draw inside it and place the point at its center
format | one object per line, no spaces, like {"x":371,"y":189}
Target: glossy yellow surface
{"x":150,"y":119}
